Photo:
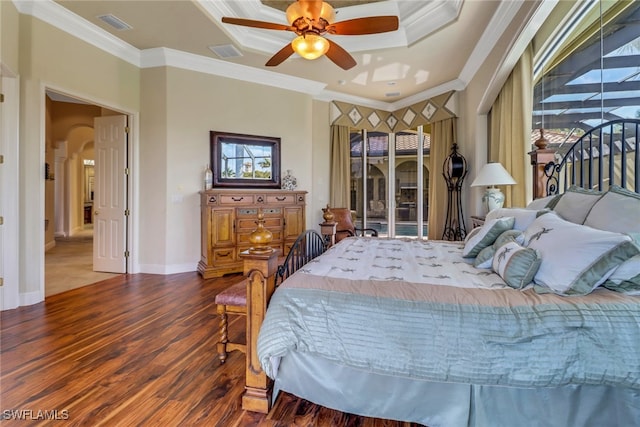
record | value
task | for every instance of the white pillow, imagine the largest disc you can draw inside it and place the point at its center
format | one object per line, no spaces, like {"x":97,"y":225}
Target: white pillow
{"x":485,"y":235}
{"x":617,"y":210}
{"x":575,"y":204}
{"x":575,"y":258}
{"x":523,"y":217}
{"x":626,"y":278}
{"x":544,"y":202}
{"x":516,"y":265}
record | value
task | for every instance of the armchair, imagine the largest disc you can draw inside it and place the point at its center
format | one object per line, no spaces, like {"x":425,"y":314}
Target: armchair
{"x":345,"y":226}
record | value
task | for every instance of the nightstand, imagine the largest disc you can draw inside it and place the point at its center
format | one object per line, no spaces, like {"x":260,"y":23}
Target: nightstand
{"x":477,"y":221}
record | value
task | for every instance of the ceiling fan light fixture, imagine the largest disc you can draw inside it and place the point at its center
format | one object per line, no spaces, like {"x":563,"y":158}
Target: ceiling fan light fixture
{"x":301,"y":10}
{"x":310,"y":46}
{"x":294,"y":11}
{"x":328,"y":13}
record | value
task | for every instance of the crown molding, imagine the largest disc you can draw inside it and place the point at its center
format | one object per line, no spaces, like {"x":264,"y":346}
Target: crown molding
{"x":164,"y":57}
{"x":525,"y":34}
{"x":497,"y":26}
{"x":63,"y":19}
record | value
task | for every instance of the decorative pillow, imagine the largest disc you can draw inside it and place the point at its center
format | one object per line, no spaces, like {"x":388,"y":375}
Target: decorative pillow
{"x":485,"y":257}
{"x":516,"y":265}
{"x":548,"y":202}
{"x":485,"y":235}
{"x":523,"y":217}
{"x":508,"y":236}
{"x":617,"y":210}
{"x":626,"y":278}
{"x":472,"y":233}
{"x":575,"y":258}
{"x":576,"y":202}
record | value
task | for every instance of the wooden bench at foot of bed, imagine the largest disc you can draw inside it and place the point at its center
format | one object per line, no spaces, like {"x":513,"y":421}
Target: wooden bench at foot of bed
{"x":263,"y":275}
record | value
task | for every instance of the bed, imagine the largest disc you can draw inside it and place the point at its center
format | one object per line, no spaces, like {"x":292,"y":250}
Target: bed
{"x":533,"y":320}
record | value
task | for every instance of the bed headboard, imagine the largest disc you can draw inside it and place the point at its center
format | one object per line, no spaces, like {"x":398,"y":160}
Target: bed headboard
{"x":605,"y":155}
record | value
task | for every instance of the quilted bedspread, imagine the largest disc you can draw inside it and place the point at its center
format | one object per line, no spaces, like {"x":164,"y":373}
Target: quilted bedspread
{"x":417,"y":309}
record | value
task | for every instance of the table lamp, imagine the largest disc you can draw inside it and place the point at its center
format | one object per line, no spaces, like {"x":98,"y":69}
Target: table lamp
{"x":490,"y":175}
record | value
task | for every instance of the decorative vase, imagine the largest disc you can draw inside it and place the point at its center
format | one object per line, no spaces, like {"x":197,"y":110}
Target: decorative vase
{"x":327,"y":214}
{"x":289,"y":182}
{"x":260,"y":237}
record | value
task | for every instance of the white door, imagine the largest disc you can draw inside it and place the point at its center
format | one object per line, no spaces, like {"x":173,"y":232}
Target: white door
{"x":110,"y":194}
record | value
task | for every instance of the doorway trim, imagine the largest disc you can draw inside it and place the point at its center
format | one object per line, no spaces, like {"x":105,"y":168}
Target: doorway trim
{"x":132,"y":219}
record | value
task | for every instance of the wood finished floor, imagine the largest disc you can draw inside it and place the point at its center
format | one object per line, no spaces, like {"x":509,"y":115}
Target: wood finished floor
{"x":136,"y":350}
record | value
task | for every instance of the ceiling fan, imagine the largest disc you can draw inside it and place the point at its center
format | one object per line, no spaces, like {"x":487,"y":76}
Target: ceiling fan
{"x":310,"y":20}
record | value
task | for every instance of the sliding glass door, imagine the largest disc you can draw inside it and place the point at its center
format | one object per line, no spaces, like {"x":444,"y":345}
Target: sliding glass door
{"x":390,"y":199}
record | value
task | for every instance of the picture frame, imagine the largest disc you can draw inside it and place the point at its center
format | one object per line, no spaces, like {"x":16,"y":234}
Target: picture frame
{"x":245,"y":161}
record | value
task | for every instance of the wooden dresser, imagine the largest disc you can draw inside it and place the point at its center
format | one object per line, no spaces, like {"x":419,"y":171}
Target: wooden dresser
{"x":228,"y":216}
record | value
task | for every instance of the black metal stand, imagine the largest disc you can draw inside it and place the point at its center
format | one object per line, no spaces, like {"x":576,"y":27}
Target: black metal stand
{"x":454,"y":170}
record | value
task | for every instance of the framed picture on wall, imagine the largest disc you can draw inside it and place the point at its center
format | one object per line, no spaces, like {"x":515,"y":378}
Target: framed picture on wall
{"x":245,"y":161}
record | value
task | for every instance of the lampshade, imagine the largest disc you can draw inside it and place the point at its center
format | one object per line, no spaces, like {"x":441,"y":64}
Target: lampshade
{"x":492,"y":174}
{"x":310,"y":46}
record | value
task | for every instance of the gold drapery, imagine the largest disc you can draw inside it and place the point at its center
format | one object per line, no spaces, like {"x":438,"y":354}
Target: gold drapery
{"x":340,"y":174}
{"x":511,"y":129}
{"x":443,"y":136}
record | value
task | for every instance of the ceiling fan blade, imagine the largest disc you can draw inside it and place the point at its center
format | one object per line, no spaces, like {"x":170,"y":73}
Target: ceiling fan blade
{"x":360,"y":26}
{"x":340,"y":56}
{"x":279,"y":57}
{"x":257,"y":24}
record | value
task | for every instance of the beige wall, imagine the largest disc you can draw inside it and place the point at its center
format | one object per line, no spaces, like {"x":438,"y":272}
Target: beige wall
{"x":9,"y":18}
{"x":195,"y":104}
{"x":51,"y":58}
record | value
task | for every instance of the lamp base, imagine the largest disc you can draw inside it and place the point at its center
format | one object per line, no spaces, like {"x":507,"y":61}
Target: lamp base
{"x":493,"y":199}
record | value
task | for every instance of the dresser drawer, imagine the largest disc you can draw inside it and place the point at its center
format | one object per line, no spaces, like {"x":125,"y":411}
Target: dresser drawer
{"x":281,"y":199}
{"x":270,"y":223}
{"x":252,"y":213}
{"x":223,"y":255}
{"x":211,"y":199}
{"x":237,"y":199}
{"x":243,"y":237}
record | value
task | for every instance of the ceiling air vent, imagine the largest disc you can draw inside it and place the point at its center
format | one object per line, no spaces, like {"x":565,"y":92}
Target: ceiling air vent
{"x":114,"y":22}
{"x":226,"y":51}
{"x":388,"y":94}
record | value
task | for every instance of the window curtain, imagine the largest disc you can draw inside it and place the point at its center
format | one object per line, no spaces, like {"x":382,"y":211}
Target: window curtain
{"x":443,"y":135}
{"x":340,"y":178}
{"x":511,"y":129}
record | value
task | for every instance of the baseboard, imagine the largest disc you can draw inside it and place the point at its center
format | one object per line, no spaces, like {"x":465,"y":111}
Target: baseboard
{"x":167,"y":269}
{"x":49,"y":245}
{"x":30,"y":298}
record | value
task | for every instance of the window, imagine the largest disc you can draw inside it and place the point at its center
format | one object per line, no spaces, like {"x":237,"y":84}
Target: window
{"x":593,"y":76}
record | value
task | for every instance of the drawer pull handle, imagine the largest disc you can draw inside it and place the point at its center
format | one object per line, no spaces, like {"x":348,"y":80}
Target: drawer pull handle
{"x":281,"y":199}
{"x":224,"y":254}
{"x":237,"y":199}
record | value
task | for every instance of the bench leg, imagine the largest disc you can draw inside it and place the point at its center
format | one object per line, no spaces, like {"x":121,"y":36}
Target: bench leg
{"x":224,"y":339}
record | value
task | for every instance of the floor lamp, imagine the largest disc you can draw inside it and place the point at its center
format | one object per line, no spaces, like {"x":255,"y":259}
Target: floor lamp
{"x":454,"y":170}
